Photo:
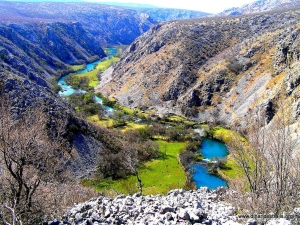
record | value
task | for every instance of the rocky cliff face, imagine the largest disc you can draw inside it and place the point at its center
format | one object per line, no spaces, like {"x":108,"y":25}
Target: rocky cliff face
{"x":217,"y":67}
{"x":109,"y":25}
{"x":43,"y":49}
{"x":80,"y":140}
{"x":39,"y":41}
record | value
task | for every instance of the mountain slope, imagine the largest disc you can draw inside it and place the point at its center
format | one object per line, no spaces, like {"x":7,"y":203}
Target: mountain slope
{"x":161,"y":14}
{"x":42,"y":50}
{"x":38,"y":41}
{"x":261,"y":6}
{"x":217,"y":68}
{"x":109,"y":25}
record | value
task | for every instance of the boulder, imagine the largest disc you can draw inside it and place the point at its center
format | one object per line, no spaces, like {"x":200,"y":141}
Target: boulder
{"x":183,"y":214}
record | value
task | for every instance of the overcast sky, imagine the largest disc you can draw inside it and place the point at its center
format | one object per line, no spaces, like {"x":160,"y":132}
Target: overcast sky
{"x":210,"y":6}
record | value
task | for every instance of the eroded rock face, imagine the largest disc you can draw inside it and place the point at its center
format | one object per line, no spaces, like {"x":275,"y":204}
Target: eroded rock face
{"x":43,"y":49}
{"x":195,"y":67}
{"x":109,"y":25}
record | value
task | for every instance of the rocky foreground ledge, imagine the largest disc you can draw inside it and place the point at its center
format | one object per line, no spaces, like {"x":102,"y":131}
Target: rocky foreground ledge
{"x":177,"y":207}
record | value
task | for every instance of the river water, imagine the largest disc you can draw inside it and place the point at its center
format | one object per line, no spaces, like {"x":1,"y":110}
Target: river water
{"x":210,"y":149}
{"x":68,"y":90}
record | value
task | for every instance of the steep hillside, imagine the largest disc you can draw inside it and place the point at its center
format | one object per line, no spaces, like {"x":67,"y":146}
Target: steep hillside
{"x":261,"y":6}
{"x":42,"y":49}
{"x":81,"y":141}
{"x":109,"y":25}
{"x":217,"y":68}
{"x":38,"y":41}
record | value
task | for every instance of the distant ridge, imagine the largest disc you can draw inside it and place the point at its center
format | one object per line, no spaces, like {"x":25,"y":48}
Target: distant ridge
{"x":126,"y":5}
{"x":159,"y":14}
{"x":261,"y":6}
{"x":118,"y":25}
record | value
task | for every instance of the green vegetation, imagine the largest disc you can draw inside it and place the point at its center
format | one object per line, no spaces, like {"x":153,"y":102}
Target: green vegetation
{"x":102,"y":66}
{"x":161,"y":174}
{"x":78,"y":67}
{"x":105,"y":122}
{"x":88,"y":79}
{"x":108,"y":102}
{"x":232,"y":169}
{"x":133,"y":126}
{"x":126,"y":110}
{"x":85,"y":104}
{"x":158,"y":168}
{"x":220,"y":133}
{"x":158,"y":175}
{"x":55,"y":87}
{"x":179,"y":119}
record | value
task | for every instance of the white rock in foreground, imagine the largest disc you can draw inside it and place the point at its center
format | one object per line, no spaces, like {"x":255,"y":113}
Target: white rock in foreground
{"x":177,"y":207}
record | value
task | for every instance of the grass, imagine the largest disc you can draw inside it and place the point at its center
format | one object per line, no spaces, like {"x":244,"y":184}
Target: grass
{"x":179,"y":119}
{"x":127,"y":111}
{"x":165,"y":173}
{"x":158,"y":176}
{"x":133,"y":126}
{"x":107,"y":122}
{"x":221,"y":133}
{"x":232,"y":169}
{"x":78,"y":67}
{"x":102,"y":66}
{"x":92,"y":75}
{"x":137,"y":112}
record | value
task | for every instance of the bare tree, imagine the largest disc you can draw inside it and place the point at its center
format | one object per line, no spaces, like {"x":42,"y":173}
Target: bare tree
{"x":29,"y":160}
{"x":267,"y":155}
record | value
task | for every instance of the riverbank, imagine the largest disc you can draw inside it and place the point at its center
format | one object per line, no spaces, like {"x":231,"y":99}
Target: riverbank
{"x":92,"y":75}
{"x":231,"y":170}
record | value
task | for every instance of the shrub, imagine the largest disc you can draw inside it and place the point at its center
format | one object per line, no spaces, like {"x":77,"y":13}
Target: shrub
{"x":193,"y":146}
{"x":235,"y":66}
{"x":56,"y":88}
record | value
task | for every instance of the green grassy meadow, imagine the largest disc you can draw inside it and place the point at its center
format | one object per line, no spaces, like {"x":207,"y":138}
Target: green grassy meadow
{"x":158,"y":175}
{"x":92,"y":75}
{"x":78,"y":67}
